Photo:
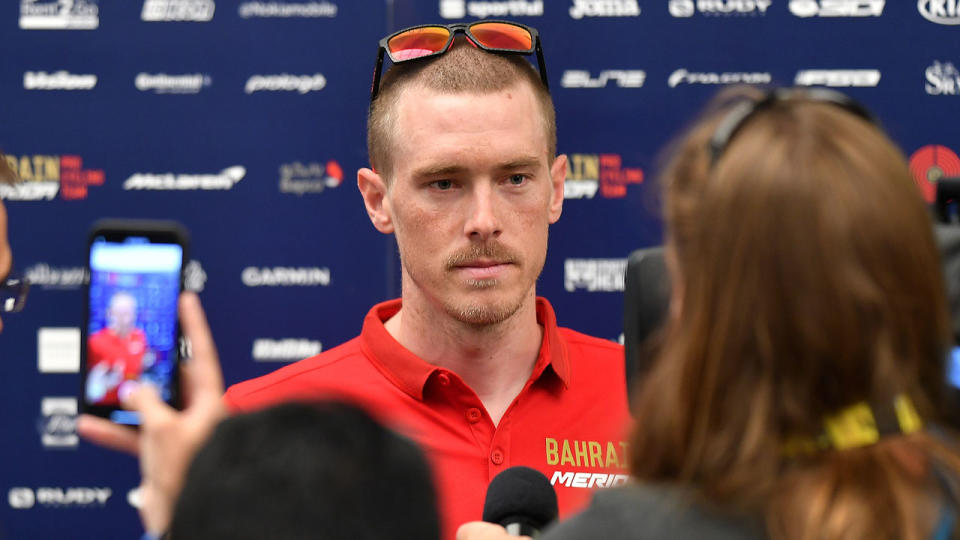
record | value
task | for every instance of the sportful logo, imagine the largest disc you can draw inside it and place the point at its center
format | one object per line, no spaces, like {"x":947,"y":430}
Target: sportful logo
{"x":23,"y":498}
{"x":586,"y":173}
{"x":280,"y":276}
{"x":687,"y":8}
{"x":224,"y":180}
{"x":682,"y":76}
{"x":60,"y":80}
{"x":458,"y":9}
{"x":311,"y":178}
{"x":837,"y":8}
{"x":287,"y":9}
{"x":284,"y":350}
{"x":943,"y":79}
{"x":286,"y":83}
{"x":42,"y":177}
{"x":940,"y":11}
{"x":625,"y":78}
{"x":837,"y":77}
{"x":161,"y":83}
{"x":604,"y":8}
{"x":59,"y":15}
{"x":58,"y":424}
{"x":594,"y":275}
{"x":177,"y":10}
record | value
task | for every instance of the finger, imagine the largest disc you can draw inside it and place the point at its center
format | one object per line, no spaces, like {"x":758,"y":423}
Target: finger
{"x":146,"y":401}
{"x":103,"y":432}
{"x":202,"y":374}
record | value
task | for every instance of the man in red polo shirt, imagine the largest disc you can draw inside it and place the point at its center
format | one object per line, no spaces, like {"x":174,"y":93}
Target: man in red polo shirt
{"x":469,"y":362}
{"x":115,"y":351}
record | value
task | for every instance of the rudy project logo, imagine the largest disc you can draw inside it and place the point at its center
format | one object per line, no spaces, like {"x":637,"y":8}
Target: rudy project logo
{"x":287,"y":9}
{"x":931,"y":163}
{"x":60,"y":80}
{"x":943,"y":79}
{"x":177,"y":10}
{"x":310,"y":178}
{"x":58,"y":423}
{"x":224,"y":180}
{"x":23,"y":498}
{"x":838,"y":77}
{"x":594,"y":275}
{"x":42,"y":177}
{"x":59,"y":15}
{"x":284,"y":350}
{"x":280,"y":276}
{"x":687,"y":8}
{"x":586,"y":173}
{"x":837,"y":8}
{"x":682,"y":76}
{"x":625,"y":78}
{"x":458,"y":9}
{"x":286,"y":83}
{"x":940,"y":11}
{"x":161,"y":83}
{"x":604,"y":8}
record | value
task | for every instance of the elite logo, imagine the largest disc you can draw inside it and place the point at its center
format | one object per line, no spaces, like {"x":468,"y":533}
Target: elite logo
{"x":625,"y":78}
{"x":594,"y":275}
{"x":59,"y":80}
{"x":943,"y":79}
{"x":931,"y":163}
{"x":940,"y":11}
{"x":687,"y":8}
{"x":224,"y":180}
{"x":837,"y":8}
{"x":604,"y":8}
{"x":458,"y":9}
{"x":837,"y":77}
{"x":42,"y":177}
{"x":59,"y":15}
{"x":586,"y":173}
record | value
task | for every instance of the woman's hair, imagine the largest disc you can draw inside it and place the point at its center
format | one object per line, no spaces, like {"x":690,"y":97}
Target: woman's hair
{"x":806,"y":280}
{"x":7,"y":174}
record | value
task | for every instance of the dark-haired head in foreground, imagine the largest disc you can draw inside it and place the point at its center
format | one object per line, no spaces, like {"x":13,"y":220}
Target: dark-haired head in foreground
{"x":321,"y":471}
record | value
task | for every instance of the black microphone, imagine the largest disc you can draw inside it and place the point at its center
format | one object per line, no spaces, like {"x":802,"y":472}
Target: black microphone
{"x":522,"y":500}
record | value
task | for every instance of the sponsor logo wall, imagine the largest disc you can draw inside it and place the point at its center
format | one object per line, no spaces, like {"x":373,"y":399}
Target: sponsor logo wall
{"x":246,"y":121}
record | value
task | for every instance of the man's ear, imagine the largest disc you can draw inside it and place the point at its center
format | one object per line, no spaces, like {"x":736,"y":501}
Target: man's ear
{"x":558,"y":175}
{"x":374,"y":192}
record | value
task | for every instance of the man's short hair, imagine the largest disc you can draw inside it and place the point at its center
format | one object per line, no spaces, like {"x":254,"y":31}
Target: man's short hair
{"x":462,"y":69}
{"x":324,"y":471}
{"x":7,"y":174}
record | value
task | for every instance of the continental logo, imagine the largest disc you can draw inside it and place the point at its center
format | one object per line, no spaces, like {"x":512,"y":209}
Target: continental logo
{"x":588,"y":173}
{"x":586,"y":454}
{"x":43,"y":177}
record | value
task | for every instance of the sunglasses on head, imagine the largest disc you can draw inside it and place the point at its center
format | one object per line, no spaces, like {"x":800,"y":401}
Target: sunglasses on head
{"x":13,"y":293}
{"x":741,"y":113}
{"x":428,"y":40}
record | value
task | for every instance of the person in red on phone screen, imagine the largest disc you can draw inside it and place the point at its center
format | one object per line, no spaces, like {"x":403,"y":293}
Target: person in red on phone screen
{"x":116,"y":351}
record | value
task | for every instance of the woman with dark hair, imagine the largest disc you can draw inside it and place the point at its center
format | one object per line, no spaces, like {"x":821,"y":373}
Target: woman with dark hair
{"x":796,"y":391}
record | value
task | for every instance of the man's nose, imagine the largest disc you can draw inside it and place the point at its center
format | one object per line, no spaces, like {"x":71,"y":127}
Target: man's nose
{"x":483,"y":220}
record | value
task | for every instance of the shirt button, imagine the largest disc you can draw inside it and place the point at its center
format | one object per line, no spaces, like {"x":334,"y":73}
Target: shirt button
{"x":473,"y":415}
{"x":497,"y":457}
{"x":444,"y":379}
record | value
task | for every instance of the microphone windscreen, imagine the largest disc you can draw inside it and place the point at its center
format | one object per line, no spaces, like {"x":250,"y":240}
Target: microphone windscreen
{"x":520,"y":492}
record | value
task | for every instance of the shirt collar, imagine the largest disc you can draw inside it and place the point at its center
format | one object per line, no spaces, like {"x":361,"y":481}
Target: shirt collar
{"x":410,"y":373}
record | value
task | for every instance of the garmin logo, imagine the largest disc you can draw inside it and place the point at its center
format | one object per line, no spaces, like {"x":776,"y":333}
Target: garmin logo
{"x":458,"y":9}
{"x":223,"y":180}
{"x":625,"y":78}
{"x":60,"y":80}
{"x":286,"y":83}
{"x":279,"y":276}
{"x":943,"y":79}
{"x":837,"y":8}
{"x":24,"y":497}
{"x":682,"y":76}
{"x":940,"y":11}
{"x":594,"y":275}
{"x":841,"y":78}
{"x":177,"y":10}
{"x":284,"y":350}
{"x":604,"y":8}
{"x":161,"y":83}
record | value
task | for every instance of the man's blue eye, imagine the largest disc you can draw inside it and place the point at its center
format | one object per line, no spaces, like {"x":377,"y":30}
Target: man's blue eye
{"x":517,"y":179}
{"x":443,"y":184}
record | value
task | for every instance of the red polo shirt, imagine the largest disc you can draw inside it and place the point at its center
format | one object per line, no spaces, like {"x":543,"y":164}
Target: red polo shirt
{"x":569,"y":420}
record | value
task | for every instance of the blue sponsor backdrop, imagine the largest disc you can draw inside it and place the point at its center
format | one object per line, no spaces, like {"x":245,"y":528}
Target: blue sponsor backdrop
{"x":245,"y":121}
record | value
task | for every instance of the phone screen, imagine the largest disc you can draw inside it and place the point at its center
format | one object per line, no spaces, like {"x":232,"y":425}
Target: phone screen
{"x":132,"y":332}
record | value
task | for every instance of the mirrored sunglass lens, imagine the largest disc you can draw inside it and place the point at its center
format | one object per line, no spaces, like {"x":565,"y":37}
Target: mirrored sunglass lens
{"x":502,"y":36}
{"x":13,"y":294}
{"x":418,"y":42}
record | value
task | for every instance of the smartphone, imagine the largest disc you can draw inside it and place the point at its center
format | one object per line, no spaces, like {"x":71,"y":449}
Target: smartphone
{"x":131,"y":334}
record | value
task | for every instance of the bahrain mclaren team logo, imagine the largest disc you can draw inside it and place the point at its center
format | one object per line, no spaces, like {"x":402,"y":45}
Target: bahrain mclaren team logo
{"x":931,"y":163}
